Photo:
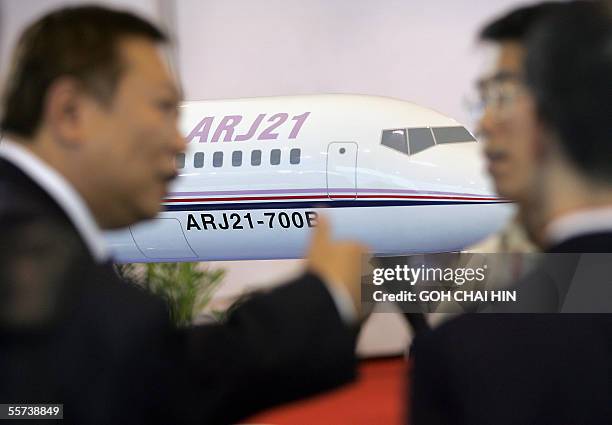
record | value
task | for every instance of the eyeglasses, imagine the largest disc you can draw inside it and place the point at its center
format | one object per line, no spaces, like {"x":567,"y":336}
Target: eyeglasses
{"x":497,"y":94}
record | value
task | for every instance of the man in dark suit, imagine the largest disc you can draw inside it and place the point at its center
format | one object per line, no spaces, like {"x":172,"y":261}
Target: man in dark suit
{"x":90,"y":136}
{"x":538,"y":369}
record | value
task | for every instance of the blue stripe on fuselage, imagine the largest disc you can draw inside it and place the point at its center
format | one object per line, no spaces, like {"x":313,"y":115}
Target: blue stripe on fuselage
{"x":315,"y":204}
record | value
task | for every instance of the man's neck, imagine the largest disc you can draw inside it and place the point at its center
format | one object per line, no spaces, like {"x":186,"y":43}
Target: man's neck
{"x":569,"y":197}
{"x":43,"y":147}
{"x":571,"y":202}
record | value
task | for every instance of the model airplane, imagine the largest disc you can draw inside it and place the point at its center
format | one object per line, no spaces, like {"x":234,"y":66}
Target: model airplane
{"x":398,"y":177}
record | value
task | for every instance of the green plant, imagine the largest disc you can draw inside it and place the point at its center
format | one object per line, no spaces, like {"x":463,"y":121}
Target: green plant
{"x":186,"y":287}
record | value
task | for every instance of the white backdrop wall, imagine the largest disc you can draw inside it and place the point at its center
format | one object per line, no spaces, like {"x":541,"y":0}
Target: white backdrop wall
{"x":421,"y":51}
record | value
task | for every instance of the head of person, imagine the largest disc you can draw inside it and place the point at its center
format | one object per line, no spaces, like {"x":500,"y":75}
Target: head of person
{"x":507,"y":120}
{"x":568,"y":71}
{"x":89,"y":91}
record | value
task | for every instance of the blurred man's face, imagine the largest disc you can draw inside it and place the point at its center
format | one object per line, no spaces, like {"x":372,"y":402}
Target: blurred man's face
{"x":508,"y":124}
{"x":132,"y":143}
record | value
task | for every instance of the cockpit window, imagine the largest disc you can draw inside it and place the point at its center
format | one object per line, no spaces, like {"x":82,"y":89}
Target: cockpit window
{"x":395,"y":139}
{"x":414,"y":140}
{"x":452,"y":135}
{"x":420,"y":139}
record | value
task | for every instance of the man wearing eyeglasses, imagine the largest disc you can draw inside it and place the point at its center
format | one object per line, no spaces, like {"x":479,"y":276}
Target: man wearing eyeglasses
{"x":504,"y":120}
{"x":547,"y":127}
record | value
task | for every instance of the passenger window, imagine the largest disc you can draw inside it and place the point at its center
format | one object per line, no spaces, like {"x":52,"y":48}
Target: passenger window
{"x":218,"y":159}
{"x":275,"y":155}
{"x":198,"y":160}
{"x":180,"y":160}
{"x":452,"y":135}
{"x":256,"y":157}
{"x":395,"y":139}
{"x":237,"y":158}
{"x":294,"y":156}
{"x":420,"y":139}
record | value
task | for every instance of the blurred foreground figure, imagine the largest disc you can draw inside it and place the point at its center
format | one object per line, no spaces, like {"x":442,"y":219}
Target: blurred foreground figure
{"x":555,"y":102}
{"x":90,"y":136}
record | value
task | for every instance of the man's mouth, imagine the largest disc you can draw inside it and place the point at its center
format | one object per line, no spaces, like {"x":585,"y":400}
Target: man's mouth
{"x":169,"y":177}
{"x":495,"y":160}
{"x":165,"y":179}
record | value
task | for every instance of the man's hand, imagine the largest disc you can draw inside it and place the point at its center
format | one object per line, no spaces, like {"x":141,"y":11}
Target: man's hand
{"x":337,"y":263}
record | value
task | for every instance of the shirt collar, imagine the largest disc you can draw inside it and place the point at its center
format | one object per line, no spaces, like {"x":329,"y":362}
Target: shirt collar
{"x":594,"y":220}
{"x":62,"y":192}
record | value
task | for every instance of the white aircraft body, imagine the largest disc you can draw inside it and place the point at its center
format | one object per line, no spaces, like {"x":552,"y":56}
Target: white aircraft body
{"x":399,"y":177}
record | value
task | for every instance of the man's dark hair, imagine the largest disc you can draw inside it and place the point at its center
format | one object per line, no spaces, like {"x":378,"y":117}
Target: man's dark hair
{"x":78,"y":42}
{"x":515,"y":26}
{"x":569,"y":72}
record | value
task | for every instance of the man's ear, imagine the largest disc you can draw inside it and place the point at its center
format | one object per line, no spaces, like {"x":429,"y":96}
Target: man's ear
{"x":63,"y":111}
{"x":541,"y":133}
{"x":544,"y":140}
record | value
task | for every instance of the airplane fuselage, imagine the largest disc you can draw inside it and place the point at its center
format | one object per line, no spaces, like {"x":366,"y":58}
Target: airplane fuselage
{"x":257,"y":172}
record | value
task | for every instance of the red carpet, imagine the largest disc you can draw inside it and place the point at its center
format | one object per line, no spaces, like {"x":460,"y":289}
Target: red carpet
{"x":377,"y":397}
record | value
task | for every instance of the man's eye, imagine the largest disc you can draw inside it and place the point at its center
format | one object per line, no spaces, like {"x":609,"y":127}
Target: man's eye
{"x":167,"y":106}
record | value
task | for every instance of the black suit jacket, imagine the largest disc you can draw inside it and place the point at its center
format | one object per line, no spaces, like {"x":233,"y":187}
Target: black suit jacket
{"x":71,"y":332}
{"x":517,"y":368}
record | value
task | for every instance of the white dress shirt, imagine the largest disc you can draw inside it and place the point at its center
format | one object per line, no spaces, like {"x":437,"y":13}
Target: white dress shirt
{"x":62,"y":192}
{"x":578,"y":223}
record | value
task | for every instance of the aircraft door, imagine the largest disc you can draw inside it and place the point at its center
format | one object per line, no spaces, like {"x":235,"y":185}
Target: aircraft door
{"x":341,"y":170}
{"x":162,"y":239}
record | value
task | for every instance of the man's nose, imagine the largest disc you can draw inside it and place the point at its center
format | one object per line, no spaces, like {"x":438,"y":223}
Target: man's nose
{"x":485,"y":125}
{"x":179,"y":143}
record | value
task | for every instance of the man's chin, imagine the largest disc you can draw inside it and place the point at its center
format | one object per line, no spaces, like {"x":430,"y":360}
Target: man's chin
{"x":146,"y":212}
{"x":509,"y":192}
{"x":132,"y":214}
{"x":151,"y":211}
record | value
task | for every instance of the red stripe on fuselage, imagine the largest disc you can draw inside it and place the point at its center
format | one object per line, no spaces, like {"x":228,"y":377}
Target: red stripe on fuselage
{"x":294,"y":197}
